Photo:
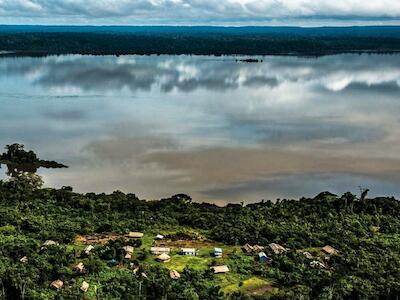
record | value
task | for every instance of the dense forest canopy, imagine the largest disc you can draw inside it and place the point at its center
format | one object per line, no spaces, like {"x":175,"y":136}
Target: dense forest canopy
{"x":364,"y":231}
{"x":118,"y":40}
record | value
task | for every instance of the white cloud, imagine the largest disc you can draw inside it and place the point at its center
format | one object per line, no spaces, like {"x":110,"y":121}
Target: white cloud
{"x":193,"y":11}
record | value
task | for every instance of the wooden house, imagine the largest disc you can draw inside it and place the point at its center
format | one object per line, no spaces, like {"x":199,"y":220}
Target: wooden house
{"x":218,"y":252}
{"x":135,"y":235}
{"x":57,"y":284}
{"x":84,"y":287}
{"x":329,"y":250}
{"x":159,"y":250}
{"x":188,"y":251}
{"x":278,"y":249}
{"x":220,"y":269}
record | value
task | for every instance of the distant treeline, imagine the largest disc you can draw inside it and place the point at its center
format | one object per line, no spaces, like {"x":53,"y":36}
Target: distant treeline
{"x":114,"y":40}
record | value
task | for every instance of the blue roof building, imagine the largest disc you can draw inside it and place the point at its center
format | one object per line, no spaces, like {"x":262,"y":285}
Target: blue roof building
{"x":263,"y":257}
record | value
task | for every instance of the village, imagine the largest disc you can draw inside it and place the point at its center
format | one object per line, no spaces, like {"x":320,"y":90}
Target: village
{"x":177,"y":253}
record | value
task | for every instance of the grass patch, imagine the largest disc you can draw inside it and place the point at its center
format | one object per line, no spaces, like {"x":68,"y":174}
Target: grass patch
{"x":179,"y":262}
{"x":251,"y":286}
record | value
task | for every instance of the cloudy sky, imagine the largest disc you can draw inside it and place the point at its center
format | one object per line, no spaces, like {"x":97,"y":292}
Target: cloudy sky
{"x":216,"y":12}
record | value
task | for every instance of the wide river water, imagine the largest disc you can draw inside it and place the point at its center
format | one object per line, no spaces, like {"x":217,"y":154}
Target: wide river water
{"x":214,"y":128}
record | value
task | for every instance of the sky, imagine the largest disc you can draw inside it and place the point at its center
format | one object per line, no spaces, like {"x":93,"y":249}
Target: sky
{"x":201,"y":12}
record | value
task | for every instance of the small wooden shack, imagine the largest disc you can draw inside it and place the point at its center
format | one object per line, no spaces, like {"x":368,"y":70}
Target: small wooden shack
{"x":278,"y":249}
{"x":248,"y":248}
{"x":88,"y":248}
{"x":220,"y":269}
{"x":329,"y":250}
{"x":164,"y":258}
{"x":84,"y":287}
{"x":159,"y":237}
{"x":174,"y":274}
{"x":218,"y":252}
{"x":135,"y":235}
{"x":189,"y":251}
{"x":57,"y":284}
{"x":80,"y":267}
{"x":128,"y":249}
{"x":159,"y":250}
{"x":252,"y":249}
{"x":258,"y":248}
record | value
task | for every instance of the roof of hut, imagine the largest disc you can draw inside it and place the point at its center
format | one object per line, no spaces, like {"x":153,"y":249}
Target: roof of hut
{"x":278,"y":249}
{"x":128,"y":249}
{"x":79,"y":267}
{"x":248,"y":248}
{"x":188,"y":249}
{"x":220,"y":269}
{"x":84,"y":287}
{"x":163,"y":257}
{"x":134,"y":234}
{"x":329,"y":249}
{"x":160,"y":249}
{"x":174,"y":274}
{"x":58,"y":284}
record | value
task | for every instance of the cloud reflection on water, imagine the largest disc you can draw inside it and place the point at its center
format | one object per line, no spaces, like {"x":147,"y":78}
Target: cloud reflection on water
{"x":211,"y":127}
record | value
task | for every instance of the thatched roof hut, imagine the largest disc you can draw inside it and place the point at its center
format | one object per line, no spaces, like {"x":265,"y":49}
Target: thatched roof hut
{"x":174,"y":274}
{"x":164,"y":258}
{"x":135,"y":235}
{"x":57,"y":284}
{"x":278,"y":249}
{"x":24,"y":259}
{"x":220,"y":269}
{"x":329,"y":250}
{"x":84,"y":287}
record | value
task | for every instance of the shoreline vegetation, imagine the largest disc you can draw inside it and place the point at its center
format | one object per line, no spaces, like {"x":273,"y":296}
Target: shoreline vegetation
{"x":218,"y":41}
{"x":59,"y":244}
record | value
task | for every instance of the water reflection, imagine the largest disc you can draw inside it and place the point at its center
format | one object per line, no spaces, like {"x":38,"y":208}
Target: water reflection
{"x":214,"y":128}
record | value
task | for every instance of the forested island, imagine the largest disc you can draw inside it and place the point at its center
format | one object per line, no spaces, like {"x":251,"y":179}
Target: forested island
{"x":59,"y":244}
{"x":147,"y":40}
